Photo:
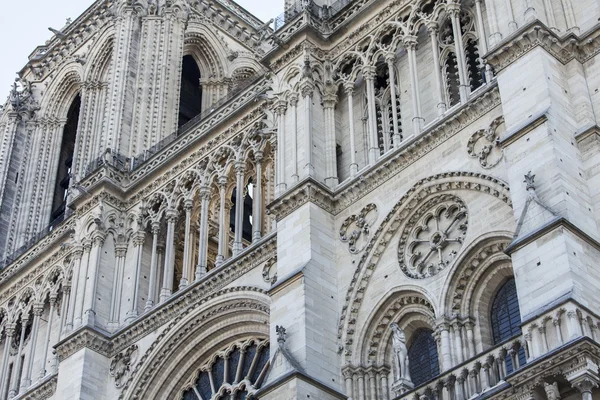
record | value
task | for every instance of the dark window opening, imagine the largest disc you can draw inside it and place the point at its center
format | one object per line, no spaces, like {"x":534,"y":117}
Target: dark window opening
{"x":474,"y":67}
{"x":423,"y":357}
{"x":247,"y":216}
{"x":190,"y":100}
{"x":506,"y":318}
{"x":452,"y":79}
{"x":65,"y":162}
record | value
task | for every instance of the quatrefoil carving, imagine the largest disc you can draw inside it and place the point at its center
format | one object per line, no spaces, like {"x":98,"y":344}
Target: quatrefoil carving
{"x":356,"y":228}
{"x":484,"y":144}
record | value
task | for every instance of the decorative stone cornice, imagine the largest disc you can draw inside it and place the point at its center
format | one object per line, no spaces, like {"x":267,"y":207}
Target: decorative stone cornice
{"x":42,"y":391}
{"x":197,"y":292}
{"x":536,"y":34}
{"x":85,"y":337}
{"x":573,"y":359}
{"x":556,"y":223}
{"x":307,"y":191}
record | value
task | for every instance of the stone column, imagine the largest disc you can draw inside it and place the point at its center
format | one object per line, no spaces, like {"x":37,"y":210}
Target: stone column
{"x":38,"y":309}
{"x":551,"y":20}
{"x":258,"y":199}
{"x":222,"y":252}
{"x":530,"y":12}
{"x":512,"y":25}
{"x":372,"y":384}
{"x":570,"y":16}
{"x":201,"y":269}
{"x":369,"y":75}
{"x":307,"y":90}
{"x":458,"y":342}
{"x":10,"y":332}
{"x":79,"y":295}
{"x":410,"y":44}
{"x":92,"y":278}
{"x":470,"y":326}
{"x":556,"y":323}
{"x":42,"y":373}
{"x":390,"y":59}
{"x":347,"y":373}
{"x":480,"y":28}
{"x":153,"y":267}
{"x":329,"y":102}
{"x":495,"y":35}
{"x":64,"y":304}
{"x":77,"y":255}
{"x":240,"y":171}
{"x":443,"y":329}
{"x":187,"y":245}
{"x":17,"y":367}
{"x":167,"y":287}
{"x":293,"y":99}
{"x":465,"y":87}
{"x":349,"y":89}
{"x":573,"y":325}
{"x":139,"y":238}
{"x":117,"y":293}
{"x":433,"y":29}
{"x":280,"y":110}
{"x":585,"y":387}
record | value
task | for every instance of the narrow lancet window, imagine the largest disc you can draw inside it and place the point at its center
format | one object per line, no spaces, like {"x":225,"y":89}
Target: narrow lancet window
{"x":65,"y":162}
{"x":190,"y":101}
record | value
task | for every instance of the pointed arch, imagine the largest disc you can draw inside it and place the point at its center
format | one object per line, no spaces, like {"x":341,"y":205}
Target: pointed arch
{"x":206,"y":327}
{"x":422,"y":190}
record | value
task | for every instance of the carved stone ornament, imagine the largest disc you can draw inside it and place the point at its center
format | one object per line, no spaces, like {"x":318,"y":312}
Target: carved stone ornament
{"x":484,"y":146}
{"x":432,"y":236}
{"x":269,"y":271}
{"x":355,"y":229}
{"x":122,"y":363}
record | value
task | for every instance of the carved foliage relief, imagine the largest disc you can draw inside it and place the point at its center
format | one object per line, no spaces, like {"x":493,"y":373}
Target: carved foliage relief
{"x":432,"y":236}
{"x":355,"y":229}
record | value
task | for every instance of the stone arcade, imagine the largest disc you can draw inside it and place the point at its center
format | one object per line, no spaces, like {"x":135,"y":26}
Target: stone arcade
{"x":361,"y":199}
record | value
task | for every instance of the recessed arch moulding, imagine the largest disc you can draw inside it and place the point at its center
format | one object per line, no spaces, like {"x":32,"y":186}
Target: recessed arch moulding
{"x":443,"y":215}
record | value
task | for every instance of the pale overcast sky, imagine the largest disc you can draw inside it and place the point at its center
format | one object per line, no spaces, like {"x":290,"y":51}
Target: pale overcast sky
{"x":24,"y":25}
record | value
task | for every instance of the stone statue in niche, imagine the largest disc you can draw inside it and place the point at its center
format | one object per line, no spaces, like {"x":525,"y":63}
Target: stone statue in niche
{"x":402,"y":382}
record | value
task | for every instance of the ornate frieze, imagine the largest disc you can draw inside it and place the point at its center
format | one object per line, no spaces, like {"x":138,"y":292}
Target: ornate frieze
{"x":121,"y":364}
{"x":432,"y":236}
{"x":84,"y":338}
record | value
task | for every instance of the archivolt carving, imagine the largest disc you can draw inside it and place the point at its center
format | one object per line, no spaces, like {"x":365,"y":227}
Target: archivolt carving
{"x":121,"y":364}
{"x":484,"y":144}
{"x":423,"y":189}
{"x":432,"y":236}
{"x":361,"y":224}
{"x":245,"y":303}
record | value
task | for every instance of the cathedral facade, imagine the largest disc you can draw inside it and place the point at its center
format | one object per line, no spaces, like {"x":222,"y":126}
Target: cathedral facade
{"x":359,"y":199}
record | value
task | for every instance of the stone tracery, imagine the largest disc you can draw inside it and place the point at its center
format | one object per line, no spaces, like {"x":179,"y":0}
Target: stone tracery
{"x":432,"y":236}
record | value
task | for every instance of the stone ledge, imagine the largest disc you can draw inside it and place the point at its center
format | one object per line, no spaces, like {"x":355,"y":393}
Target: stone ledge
{"x":536,"y":34}
{"x":84,"y":337}
{"x":558,"y":222}
{"x":285,"y":378}
{"x":41,"y":391}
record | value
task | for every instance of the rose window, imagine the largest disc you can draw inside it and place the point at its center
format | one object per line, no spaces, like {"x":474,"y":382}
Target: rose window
{"x":432,"y":236}
{"x":232,"y":374}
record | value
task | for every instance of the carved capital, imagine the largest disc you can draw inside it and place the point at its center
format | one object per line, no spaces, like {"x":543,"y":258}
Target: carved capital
{"x":293,"y":99}
{"x":171,"y":215}
{"x":409,"y":42}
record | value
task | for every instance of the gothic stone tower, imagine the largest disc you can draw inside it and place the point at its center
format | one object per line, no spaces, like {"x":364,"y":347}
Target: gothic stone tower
{"x":361,"y":199}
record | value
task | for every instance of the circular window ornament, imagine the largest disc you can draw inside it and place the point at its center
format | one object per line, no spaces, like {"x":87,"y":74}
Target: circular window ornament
{"x":432,"y":236}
